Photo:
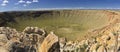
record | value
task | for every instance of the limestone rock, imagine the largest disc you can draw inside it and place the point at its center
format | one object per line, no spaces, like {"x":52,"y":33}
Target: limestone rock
{"x":50,"y":44}
{"x":9,"y":32}
{"x":62,"y":42}
{"x":34,"y":39}
{"x":3,"y":49}
{"x":35,"y":30}
{"x":14,"y":41}
{"x":3,"y":39}
{"x":93,"y":48}
{"x":101,"y":49}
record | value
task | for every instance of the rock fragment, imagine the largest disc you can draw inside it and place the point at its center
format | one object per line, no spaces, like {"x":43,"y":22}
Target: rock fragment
{"x":50,"y":44}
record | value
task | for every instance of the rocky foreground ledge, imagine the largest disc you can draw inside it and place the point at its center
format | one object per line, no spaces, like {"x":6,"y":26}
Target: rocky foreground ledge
{"x":34,"y":39}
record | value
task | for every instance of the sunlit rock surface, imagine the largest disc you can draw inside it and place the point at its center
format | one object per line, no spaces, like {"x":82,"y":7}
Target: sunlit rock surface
{"x":34,"y":39}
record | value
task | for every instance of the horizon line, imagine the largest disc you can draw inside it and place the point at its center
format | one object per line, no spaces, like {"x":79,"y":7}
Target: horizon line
{"x":80,"y":8}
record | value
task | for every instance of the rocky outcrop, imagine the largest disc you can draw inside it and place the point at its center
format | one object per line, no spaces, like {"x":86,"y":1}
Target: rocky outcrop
{"x":34,"y":39}
{"x":50,"y":44}
{"x":34,"y":30}
{"x":105,"y":40}
{"x":26,"y":41}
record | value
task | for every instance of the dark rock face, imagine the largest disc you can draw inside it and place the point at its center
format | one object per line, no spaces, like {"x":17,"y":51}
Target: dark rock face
{"x":55,"y":47}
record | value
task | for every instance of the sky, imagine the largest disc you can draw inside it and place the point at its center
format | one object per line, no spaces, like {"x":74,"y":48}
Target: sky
{"x":11,"y":5}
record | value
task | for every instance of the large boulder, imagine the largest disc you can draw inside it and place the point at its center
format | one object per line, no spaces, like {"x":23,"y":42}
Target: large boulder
{"x":50,"y":44}
{"x":9,"y":32}
{"x":101,"y":49}
{"x":93,"y":48}
{"x":4,"y":49}
{"x":62,"y":42}
{"x":34,"y":30}
{"x":3,"y":39}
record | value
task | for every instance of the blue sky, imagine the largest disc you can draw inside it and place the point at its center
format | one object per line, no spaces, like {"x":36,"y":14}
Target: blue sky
{"x":8,"y":5}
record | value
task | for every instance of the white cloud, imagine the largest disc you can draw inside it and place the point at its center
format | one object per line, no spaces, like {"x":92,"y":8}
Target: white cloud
{"x":3,"y":4}
{"x":35,"y":0}
{"x":5,"y":1}
{"x":21,"y":1}
{"x":28,"y":2}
